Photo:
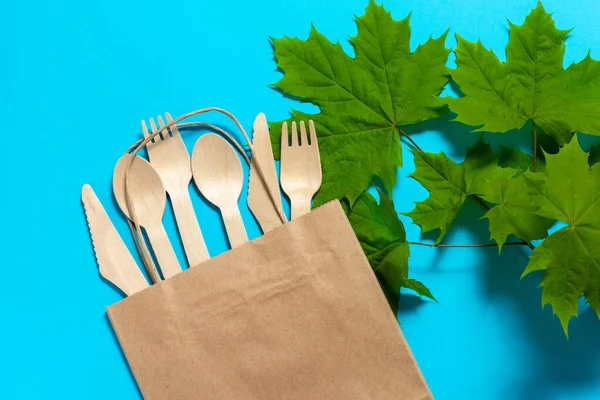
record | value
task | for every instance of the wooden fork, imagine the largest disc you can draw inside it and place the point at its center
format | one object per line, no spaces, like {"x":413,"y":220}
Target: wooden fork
{"x":301,"y":174}
{"x":170,"y":158}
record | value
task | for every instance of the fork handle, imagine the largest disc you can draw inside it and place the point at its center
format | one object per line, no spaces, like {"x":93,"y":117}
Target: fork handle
{"x":165,"y":255}
{"x":189,"y":229}
{"x":300,"y":206}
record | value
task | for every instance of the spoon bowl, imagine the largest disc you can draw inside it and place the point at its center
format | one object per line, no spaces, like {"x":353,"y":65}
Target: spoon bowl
{"x":218,"y":174}
{"x":217,"y":170}
{"x":148,"y":199}
{"x":146,"y":191}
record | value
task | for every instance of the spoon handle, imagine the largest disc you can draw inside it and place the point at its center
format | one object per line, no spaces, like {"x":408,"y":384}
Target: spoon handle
{"x":234,"y":225}
{"x":167,"y":260}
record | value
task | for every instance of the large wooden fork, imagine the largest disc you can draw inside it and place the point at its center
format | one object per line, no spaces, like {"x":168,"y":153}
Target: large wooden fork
{"x":301,"y":174}
{"x":170,"y":158}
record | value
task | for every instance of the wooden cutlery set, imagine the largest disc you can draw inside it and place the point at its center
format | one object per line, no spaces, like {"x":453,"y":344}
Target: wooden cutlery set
{"x":270,"y":319}
{"x":141,"y":188}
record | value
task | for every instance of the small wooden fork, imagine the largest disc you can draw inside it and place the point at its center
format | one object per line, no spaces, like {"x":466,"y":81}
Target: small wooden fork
{"x":301,"y":174}
{"x":170,"y":158}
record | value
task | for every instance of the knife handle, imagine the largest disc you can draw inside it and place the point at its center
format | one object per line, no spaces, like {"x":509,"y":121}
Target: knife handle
{"x":130,"y":281}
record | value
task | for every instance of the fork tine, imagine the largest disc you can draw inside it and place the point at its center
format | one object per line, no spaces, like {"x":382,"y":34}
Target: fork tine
{"x":174,"y":130}
{"x":313,"y":133}
{"x":303,"y":136}
{"x":153,"y":127}
{"x":161,"y":123}
{"x":294,"y":134}
{"x":146,"y":133}
{"x":284,"y":136}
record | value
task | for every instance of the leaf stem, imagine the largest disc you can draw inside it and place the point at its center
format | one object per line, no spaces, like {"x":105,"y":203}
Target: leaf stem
{"x":410,"y":139}
{"x":534,"y":147}
{"x":482,"y":203}
{"x":522,"y":243}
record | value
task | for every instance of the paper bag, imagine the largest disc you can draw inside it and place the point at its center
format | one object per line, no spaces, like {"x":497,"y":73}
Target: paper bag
{"x":296,"y":314}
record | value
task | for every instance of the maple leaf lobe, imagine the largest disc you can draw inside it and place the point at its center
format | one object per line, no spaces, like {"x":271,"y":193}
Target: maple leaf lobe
{"x":530,"y":85}
{"x":568,"y":191}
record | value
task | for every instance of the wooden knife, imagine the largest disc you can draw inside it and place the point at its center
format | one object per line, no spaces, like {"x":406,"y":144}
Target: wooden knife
{"x":114,"y":259}
{"x":259,"y":201}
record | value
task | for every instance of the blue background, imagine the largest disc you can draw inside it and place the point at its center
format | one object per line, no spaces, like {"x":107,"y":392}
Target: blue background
{"x":75,"y":80}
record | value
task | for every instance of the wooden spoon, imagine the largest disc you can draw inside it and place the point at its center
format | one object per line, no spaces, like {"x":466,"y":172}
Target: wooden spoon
{"x":217,"y":172}
{"x":149,"y":199}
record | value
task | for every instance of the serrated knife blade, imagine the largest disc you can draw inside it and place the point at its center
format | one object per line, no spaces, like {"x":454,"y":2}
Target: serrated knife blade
{"x":115,"y":262}
{"x":259,"y":201}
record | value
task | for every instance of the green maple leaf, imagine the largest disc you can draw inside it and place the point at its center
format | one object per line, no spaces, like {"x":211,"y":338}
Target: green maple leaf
{"x":383,"y":239}
{"x":517,"y":159}
{"x":449,"y":185}
{"x":363,"y":100}
{"x":514,"y":211}
{"x":594,"y":154}
{"x":568,"y":191}
{"x":530,"y":85}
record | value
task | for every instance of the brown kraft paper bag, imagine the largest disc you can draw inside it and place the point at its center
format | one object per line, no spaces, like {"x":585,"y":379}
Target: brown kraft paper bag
{"x":296,"y":314}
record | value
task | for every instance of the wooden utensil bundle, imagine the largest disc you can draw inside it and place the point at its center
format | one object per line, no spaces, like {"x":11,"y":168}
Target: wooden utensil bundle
{"x":141,"y":187}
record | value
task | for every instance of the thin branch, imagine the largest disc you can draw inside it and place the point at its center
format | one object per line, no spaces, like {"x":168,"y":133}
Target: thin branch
{"x":468,"y":245}
{"x":410,"y":139}
{"x":534,"y":147}
{"x":532,"y":247}
{"x":482,"y":203}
